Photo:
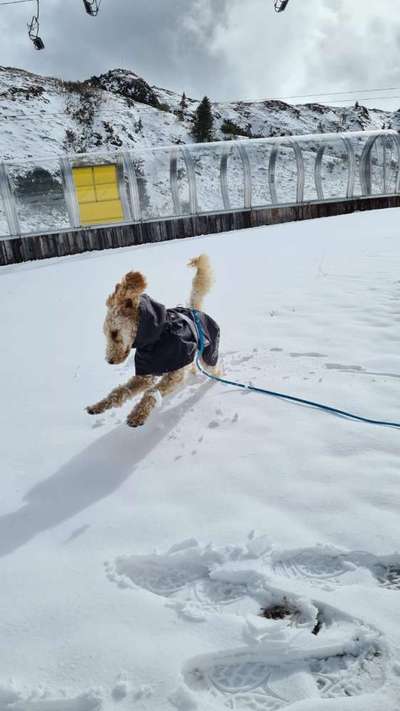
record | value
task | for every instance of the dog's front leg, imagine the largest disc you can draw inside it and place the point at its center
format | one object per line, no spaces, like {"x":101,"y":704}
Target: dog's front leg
{"x":121,"y":394}
{"x":167,"y":384}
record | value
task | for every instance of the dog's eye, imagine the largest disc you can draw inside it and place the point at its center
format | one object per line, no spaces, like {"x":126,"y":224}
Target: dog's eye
{"x":114,"y":335}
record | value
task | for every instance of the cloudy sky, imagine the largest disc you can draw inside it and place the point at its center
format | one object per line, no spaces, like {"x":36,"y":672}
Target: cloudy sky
{"x":228,"y":49}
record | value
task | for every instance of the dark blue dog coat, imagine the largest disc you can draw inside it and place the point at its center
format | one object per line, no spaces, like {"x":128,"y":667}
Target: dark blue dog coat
{"x":166,"y":339}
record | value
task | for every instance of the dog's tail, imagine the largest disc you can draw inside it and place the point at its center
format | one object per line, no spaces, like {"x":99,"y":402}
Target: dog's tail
{"x":202,"y":280}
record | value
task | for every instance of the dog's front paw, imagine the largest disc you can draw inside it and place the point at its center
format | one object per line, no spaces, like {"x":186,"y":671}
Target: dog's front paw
{"x":135,"y":420}
{"x":95,"y":409}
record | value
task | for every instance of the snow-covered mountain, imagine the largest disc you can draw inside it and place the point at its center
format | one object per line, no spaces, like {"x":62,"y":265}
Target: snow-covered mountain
{"x":43,"y":116}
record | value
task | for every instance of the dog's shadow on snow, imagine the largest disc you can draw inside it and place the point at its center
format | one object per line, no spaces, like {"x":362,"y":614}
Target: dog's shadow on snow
{"x":90,"y":476}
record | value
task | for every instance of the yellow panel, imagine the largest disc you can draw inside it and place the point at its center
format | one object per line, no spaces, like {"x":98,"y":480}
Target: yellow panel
{"x":107,"y":192}
{"x":98,"y":194}
{"x":105,"y":174}
{"x":86,"y":194}
{"x":96,"y":212}
{"x":82,"y":176}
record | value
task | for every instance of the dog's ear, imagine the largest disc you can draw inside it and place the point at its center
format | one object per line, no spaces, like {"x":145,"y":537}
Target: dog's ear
{"x":130,"y":287}
{"x":127,"y":306}
{"x":111,"y":299}
{"x":135,"y":282}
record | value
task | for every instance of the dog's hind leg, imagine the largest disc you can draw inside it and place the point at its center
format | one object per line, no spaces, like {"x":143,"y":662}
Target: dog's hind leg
{"x":122,"y":393}
{"x":167,"y":384}
{"x":216,"y":369}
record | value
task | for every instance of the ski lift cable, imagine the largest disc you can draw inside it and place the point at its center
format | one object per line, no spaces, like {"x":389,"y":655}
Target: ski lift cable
{"x":367,"y":98}
{"x":338,"y":93}
{"x":353,"y":92}
{"x":15,"y":2}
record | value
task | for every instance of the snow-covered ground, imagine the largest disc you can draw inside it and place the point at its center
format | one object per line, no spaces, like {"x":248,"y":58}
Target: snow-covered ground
{"x":135,"y":563}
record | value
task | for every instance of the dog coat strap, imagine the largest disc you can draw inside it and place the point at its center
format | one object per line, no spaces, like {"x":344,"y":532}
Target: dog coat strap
{"x":190,"y":324}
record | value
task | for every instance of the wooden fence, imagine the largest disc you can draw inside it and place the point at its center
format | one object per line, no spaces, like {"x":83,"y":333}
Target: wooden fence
{"x":22,"y":249}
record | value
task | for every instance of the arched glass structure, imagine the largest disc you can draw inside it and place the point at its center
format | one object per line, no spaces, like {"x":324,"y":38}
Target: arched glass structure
{"x":48,"y":195}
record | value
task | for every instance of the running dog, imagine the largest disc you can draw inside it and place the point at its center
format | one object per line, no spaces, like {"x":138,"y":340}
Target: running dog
{"x":165,"y":340}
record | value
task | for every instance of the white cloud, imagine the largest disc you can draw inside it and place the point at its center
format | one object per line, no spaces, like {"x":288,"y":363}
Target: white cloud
{"x":314,"y":46}
{"x":225,"y":48}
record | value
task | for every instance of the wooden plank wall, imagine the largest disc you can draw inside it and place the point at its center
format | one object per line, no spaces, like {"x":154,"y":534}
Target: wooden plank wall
{"x":22,"y":249}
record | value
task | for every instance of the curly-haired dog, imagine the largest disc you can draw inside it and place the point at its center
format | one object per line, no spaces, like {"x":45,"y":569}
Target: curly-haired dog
{"x":165,"y":340}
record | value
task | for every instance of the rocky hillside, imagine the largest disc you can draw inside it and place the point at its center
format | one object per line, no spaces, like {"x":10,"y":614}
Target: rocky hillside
{"x":43,"y":116}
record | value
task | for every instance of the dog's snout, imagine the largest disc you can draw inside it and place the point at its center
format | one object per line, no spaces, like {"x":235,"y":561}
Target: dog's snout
{"x":110,"y":361}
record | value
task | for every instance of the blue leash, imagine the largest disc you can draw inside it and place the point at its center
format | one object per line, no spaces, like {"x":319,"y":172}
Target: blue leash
{"x":272,"y":393}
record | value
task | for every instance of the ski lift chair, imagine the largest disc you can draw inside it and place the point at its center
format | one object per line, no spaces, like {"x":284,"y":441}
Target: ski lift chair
{"x":92,"y":7}
{"x":33,"y":30}
{"x":280,"y":5}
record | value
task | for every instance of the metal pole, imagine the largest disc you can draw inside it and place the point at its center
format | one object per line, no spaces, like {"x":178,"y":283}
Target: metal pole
{"x":365,"y":166}
{"x":133,"y":188}
{"x":300,"y":170}
{"x":8,"y":201}
{"x":351,"y":162}
{"x":191,"y":173}
{"x":223,"y":177}
{"x":271,"y":173}
{"x":244,"y":156}
{"x":173,"y":181}
{"x":69,"y":192}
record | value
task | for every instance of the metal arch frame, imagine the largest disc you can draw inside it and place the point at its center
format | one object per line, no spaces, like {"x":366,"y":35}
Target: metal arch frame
{"x":7,"y":196}
{"x":396,"y":140}
{"x":298,"y":153}
{"x":271,"y":173}
{"x":223,"y":177}
{"x":247,"y":186}
{"x":123,"y":192}
{"x":351,"y":165}
{"x":221,"y":151}
{"x":300,"y":170}
{"x":365,"y":164}
{"x":191,"y":177}
{"x":70,"y":192}
{"x":223,"y":174}
{"x":191,"y":173}
{"x":133,"y":188}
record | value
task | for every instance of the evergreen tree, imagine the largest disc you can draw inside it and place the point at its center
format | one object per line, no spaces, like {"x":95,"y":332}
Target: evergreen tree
{"x":203,"y":122}
{"x":183,"y":103}
{"x":182,"y":107}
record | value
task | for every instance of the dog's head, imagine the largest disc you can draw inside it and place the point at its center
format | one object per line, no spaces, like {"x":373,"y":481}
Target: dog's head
{"x":122,"y":318}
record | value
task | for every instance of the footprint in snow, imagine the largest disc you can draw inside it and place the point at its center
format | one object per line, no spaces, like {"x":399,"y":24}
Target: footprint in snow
{"x":328,"y":565}
{"x":12,"y":700}
{"x":274,"y":677}
{"x":297,"y":649}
